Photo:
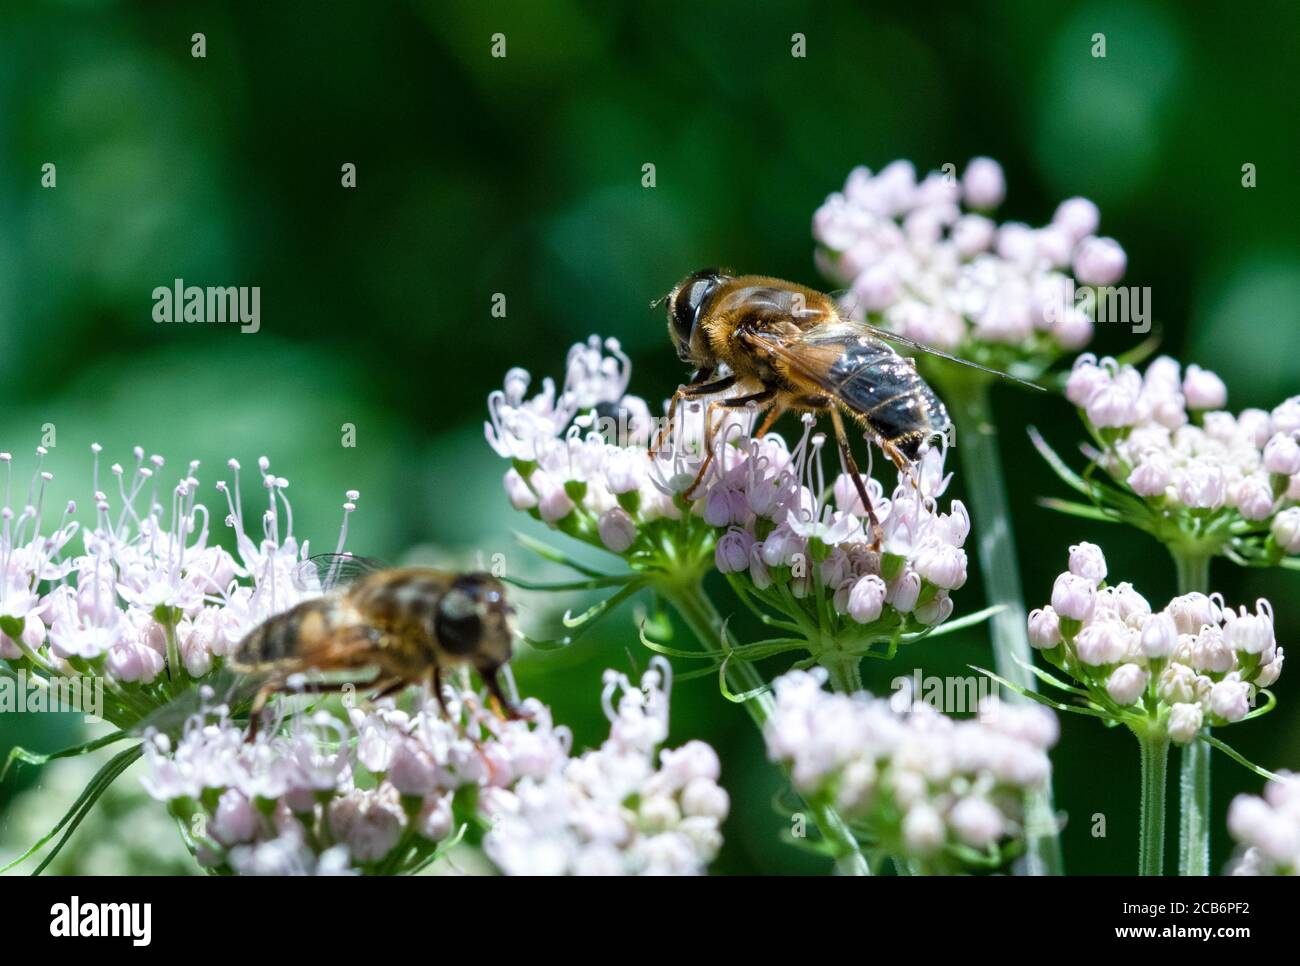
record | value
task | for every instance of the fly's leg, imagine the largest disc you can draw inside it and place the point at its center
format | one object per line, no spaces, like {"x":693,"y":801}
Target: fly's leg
{"x":708,"y":450}
{"x":688,"y":392}
{"x":762,"y":397}
{"x":906,"y":467}
{"x":437,"y":691}
{"x":497,"y":698}
{"x":259,"y":703}
{"x":846,"y":454}
{"x":772,"y":416}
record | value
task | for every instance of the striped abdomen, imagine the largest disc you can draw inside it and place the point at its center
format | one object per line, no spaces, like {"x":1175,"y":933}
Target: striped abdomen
{"x":885,"y":389}
{"x":295,"y":634}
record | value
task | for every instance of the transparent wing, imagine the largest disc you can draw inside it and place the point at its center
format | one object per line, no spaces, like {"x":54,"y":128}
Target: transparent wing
{"x":846,"y":298}
{"x":325,"y":571}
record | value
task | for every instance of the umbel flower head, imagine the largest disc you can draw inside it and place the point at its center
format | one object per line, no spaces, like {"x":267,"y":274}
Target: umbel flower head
{"x":139,"y":605}
{"x":1197,"y":477}
{"x":388,"y":791}
{"x":939,"y":793}
{"x":925,"y":259}
{"x":1195,"y":664}
{"x":142,"y":597}
{"x":1267,"y":829}
{"x":790,"y":538}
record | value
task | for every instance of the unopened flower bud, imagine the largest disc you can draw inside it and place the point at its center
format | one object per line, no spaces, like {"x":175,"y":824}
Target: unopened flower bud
{"x":1127,"y":683}
{"x":1073,"y":597}
{"x":1044,"y":628}
{"x":1184,"y":722}
{"x":617,"y":529}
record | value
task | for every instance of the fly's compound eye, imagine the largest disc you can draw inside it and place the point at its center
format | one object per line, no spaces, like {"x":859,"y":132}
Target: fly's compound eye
{"x":684,"y":317}
{"x":688,"y":304}
{"x":458,"y":625}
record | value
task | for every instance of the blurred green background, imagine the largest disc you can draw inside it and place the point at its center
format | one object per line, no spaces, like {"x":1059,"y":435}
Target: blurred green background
{"x":522,"y":176}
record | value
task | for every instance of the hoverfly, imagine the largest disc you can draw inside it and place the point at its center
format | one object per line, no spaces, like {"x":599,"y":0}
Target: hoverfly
{"x":786,"y":346}
{"x":411,"y":623}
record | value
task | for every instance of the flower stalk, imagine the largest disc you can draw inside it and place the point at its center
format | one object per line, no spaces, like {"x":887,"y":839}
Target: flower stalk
{"x":690,"y":601}
{"x":1193,"y":571}
{"x":1154,"y":745}
{"x":968,"y":396}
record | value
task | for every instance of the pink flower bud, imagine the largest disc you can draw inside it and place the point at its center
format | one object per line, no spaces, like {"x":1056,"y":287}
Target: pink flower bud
{"x":973,"y":234}
{"x":1201,"y":485}
{"x":1078,"y":217}
{"x":617,"y":529}
{"x":976,"y":821}
{"x":1073,"y":597}
{"x":1126,"y":684}
{"x":1150,"y":477}
{"x":732,"y":552}
{"x":1230,"y":699}
{"x":935,"y":611}
{"x":758,"y":569}
{"x":942,"y":565}
{"x":1044,"y":628}
{"x":1254,"y":498}
{"x":905,"y":591}
{"x":1286,"y":529}
{"x":1085,"y":379}
{"x":1269,"y":673}
{"x":1282,"y":455}
{"x":867,"y":599}
{"x":1105,"y":642}
{"x":1185,"y":721}
{"x":1203,"y":389}
{"x":1112,"y":405}
{"x":1087,"y":561}
{"x":1159,"y":636}
{"x":1099,"y":261}
{"x":553,"y":502}
{"x":983,"y":185}
{"x":1176,"y":684}
{"x":518,"y":492}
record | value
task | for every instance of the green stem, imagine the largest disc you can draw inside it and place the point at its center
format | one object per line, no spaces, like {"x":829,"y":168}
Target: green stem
{"x":977,"y":442}
{"x":1151,"y":839}
{"x":845,"y":672}
{"x":1193,"y":569}
{"x":690,"y":601}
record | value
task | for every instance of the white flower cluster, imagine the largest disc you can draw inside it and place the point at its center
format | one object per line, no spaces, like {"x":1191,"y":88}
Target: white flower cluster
{"x":1168,"y":438}
{"x":1268,"y":829}
{"x":925,"y":257}
{"x":1197,"y":662}
{"x":768,"y":506}
{"x":378,"y":793}
{"x":918,"y":782}
{"x":780,"y":523}
{"x":616,"y":810}
{"x":147,"y":582}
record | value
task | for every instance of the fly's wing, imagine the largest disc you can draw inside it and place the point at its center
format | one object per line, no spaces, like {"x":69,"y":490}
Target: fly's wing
{"x":847,"y":363}
{"x":845,"y":299}
{"x":820,"y":358}
{"x":323,"y":572}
